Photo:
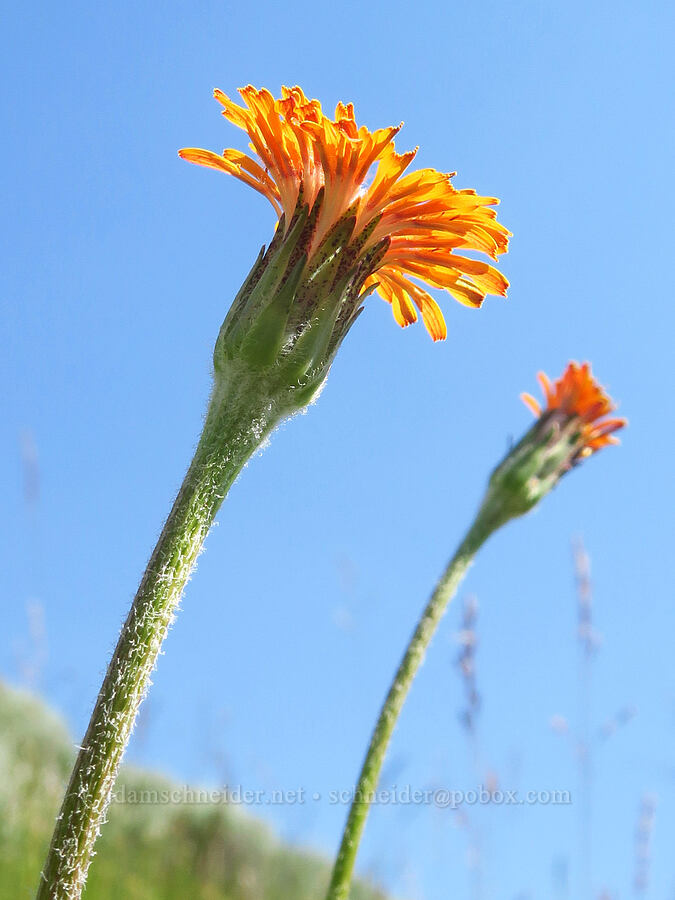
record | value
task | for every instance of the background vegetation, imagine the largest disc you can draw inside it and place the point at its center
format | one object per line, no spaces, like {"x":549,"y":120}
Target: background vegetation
{"x":201,"y":851}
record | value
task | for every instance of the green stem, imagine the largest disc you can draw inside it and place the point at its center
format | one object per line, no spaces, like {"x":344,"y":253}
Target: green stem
{"x":485,"y":523}
{"x":234,"y":428}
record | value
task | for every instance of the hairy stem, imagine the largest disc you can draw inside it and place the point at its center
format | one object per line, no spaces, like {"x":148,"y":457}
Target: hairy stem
{"x":446,"y":588}
{"x":235,"y":426}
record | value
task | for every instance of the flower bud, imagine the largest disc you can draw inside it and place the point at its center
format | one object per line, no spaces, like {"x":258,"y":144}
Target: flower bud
{"x":569,"y":429}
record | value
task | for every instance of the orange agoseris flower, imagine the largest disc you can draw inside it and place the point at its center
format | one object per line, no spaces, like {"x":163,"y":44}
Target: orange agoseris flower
{"x":577,"y":395}
{"x":571,"y":426}
{"x":408,"y":228}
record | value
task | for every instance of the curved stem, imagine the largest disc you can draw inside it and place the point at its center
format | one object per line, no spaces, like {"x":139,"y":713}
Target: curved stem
{"x":235,"y":426}
{"x":446,"y":588}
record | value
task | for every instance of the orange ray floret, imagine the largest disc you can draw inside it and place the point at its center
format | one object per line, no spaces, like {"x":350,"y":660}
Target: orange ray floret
{"x":425,"y":219}
{"x":577,"y":394}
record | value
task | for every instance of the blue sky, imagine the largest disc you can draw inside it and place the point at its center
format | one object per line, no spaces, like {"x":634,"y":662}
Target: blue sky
{"x":120,"y":261}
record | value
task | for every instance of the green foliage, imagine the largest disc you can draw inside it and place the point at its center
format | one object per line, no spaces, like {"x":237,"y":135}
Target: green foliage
{"x":147,"y":851}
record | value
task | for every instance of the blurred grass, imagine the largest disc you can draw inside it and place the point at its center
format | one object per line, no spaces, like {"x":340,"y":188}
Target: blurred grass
{"x":147,"y":851}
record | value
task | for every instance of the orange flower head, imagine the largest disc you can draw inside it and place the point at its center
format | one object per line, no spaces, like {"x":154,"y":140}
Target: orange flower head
{"x":574,"y":423}
{"x":421,"y":222}
{"x":577,"y":395}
